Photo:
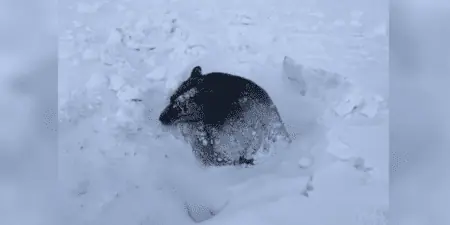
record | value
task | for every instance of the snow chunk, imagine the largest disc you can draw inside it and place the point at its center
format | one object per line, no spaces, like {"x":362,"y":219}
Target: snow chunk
{"x":114,"y":37}
{"x":126,"y":93}
{"x":338,"y":148}
{"x":96,"y":81}
{"x":348,"y":106}
{"x":157,"y":74}
{"x":305,"y":162}
{"x":370,"y":106}
{"x":116,"y":82}
{"x":293,"y":75}
{"x":199,"y":213}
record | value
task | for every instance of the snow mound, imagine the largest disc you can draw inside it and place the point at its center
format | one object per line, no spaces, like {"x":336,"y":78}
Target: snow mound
{"x":118,"y":166}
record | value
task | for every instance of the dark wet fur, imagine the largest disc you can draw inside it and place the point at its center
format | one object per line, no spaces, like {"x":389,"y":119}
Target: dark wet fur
{"x":218,"y":102}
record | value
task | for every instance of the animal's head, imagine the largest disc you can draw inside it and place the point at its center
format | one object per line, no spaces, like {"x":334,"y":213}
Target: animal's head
{"x":184,"y":106}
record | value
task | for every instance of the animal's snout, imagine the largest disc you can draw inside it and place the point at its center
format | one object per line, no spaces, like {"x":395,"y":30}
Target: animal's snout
{"x":166,"y":117}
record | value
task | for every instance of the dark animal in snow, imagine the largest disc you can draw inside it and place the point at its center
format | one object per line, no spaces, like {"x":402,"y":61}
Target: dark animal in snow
{"x":226,"y":118}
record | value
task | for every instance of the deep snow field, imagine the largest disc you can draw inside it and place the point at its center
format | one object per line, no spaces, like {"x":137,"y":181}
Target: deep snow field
{"x":324,"y":63}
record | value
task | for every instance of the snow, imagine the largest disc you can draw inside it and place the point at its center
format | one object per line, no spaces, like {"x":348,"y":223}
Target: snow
{"x":420,"y":126}
{"x":325,"y":66}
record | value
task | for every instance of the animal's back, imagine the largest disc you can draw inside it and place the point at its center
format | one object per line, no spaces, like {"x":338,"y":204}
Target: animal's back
{"x":228,"y":96}
{"x":235,"y":87}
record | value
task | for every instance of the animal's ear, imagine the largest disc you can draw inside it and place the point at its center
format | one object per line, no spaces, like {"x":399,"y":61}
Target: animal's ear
{"x":196,"y":72}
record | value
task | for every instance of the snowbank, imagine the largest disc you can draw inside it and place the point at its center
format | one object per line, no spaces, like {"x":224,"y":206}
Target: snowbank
{"x":118,"y":166}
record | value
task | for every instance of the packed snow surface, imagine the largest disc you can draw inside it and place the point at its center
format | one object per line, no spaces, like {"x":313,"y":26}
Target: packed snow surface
{"x":324,"y":64}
